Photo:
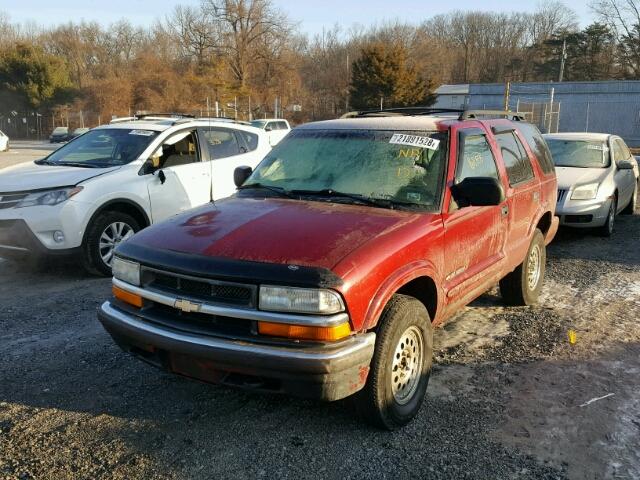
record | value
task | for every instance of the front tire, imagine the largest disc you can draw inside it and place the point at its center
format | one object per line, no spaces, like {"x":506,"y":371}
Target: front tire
{"x":522,"y":286}
{"x":607,"y":229}
{"x":400,"y":367}
{"x":103,"y":235}
{"x":631,"y":208}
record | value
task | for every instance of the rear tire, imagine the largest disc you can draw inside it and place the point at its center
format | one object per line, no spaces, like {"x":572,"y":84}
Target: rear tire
{"x":522,"y":286}
{"x":631,"y":208}
{"x":607,"y":229}
{"x":400,"y":367}
{"x":104,"y":234}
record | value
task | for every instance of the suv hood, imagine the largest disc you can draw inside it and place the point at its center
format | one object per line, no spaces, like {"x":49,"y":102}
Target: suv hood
{"x":30,"y":176}
{"x":305,"y":233}
{"x":571,"y":176}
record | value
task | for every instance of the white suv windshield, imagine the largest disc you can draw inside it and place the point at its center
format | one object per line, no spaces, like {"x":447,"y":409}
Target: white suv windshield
{"x":103,"y":148}
{"x":401,"y":168}
{"x":579,"y":154}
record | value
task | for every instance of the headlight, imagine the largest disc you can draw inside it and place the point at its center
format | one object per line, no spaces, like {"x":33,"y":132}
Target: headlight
{"x":300,"y":300}
{"x":49,"y":197}
{"x":585,"y":192}
{"x":126,"y":271}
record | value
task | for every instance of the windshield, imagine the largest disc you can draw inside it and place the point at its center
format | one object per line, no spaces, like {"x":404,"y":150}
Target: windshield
{"x":103,"y":148}
{"x":578,"y":153}
{"x":60,"y":130}
{"x":259,"y":123}
{"x":406,"y":168}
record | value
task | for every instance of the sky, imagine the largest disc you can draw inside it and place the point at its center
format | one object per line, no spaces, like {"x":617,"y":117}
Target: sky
{"x":312,"y":16}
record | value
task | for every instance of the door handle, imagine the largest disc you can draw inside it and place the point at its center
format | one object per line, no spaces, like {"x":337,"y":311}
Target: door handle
{"x":504,"y":210}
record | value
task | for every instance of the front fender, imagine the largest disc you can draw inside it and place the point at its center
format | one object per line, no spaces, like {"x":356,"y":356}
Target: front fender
{"x":399,"y":278}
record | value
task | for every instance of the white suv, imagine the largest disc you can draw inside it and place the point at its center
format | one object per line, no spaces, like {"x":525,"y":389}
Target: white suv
{"x":4,"y":142}
{"x":276,"y":128}
{"x":114,"y":180}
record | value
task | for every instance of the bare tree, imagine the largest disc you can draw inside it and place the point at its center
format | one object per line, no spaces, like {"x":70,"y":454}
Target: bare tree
{"x":245,"y":26}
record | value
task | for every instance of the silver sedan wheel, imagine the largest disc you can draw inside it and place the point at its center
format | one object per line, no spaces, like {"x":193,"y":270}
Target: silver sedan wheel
{"x":534,"y":267}
{"x":111,"y":237}
{"x":406,"y":367}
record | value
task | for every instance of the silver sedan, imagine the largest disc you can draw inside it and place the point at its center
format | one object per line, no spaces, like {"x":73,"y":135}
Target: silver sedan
{"x":597,"y":179}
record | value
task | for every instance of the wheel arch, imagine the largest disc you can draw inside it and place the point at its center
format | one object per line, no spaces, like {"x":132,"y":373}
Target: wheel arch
{"x":122,"y":205}
{"x":418,"y":280}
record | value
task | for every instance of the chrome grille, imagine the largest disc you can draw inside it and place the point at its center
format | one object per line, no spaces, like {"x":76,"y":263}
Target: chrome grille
{"x":211,"y":291}
{"x":9,"y":200}
{"x":561,"y":195}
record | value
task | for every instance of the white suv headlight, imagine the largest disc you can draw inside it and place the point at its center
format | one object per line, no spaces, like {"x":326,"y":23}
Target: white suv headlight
{"x":585,"y":192}
{"x":126,"y":271}
{"x":49,"y":197}
{"x":300,"y":300}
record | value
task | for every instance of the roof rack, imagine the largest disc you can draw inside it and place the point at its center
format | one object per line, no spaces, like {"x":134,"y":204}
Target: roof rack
{"x":403,"y":111}
{"x":162,"y":116}
{"x":462,"y":114}
{"x":474,"y":114}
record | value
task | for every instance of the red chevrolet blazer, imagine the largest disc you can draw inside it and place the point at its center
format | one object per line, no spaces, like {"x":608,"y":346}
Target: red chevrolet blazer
{"x":325,"y":274}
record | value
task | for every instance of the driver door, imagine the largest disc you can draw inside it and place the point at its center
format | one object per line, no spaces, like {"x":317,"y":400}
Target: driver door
{"x":181,"y":180}
{"x":475,"y":236}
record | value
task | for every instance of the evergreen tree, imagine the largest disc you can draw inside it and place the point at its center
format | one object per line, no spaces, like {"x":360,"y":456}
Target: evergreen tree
{"x":383,"y":72}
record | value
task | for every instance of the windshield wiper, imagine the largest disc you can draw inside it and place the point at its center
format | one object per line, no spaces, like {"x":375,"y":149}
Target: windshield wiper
{"x":277,"y":190}
{"x":76,"y":164}
{"x":44,"y":162}
{"x":329,"y":193}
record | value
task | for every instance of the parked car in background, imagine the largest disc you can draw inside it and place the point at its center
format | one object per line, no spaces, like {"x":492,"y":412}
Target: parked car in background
{"x":77,"y":132}
{"x":277,"y":128}
{"x":101,"y":188}
{"x":597,"y":179}
{"x":59,"y":134}
{"x":4,"y":142}
{"x":323,"y":276}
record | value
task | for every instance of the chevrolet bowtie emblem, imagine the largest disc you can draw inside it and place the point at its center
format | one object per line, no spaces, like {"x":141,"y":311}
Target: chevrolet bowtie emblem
{"x":187,"y":306}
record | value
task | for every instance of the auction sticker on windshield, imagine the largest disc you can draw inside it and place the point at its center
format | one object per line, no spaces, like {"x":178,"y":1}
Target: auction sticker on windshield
{"x":143,"y":133}
{"x":415,"y":141}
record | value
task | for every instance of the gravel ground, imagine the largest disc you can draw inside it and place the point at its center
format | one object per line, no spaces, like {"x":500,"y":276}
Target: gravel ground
{"x":505,"y":399}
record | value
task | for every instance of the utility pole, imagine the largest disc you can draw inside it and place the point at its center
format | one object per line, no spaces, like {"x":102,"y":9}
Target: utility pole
{"x":562,"y":59}
{"x":507,"y":93}
{"x":346,"y":101}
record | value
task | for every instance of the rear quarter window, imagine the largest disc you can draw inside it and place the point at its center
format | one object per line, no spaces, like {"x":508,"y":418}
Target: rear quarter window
{"x":538,"y":146}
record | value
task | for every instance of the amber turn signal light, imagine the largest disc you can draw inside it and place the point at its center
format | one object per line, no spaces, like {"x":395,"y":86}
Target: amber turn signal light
{"x":127,"y":297}
{"x":303,"y":332}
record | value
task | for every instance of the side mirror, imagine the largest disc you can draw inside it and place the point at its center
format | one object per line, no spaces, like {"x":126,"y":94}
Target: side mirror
{"x":478,"y":192}
{"x":625,"y":165}
{"x":268,"y":128}
{"x":240,"y":175}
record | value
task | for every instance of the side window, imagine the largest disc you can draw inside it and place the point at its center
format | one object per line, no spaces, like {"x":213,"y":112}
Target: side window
{"x":624,"y":150}
{"x":282,"y":126}
{"x":179,"y":149}
{"x":617,"y":151}
{"x":538,"y":146}
{"x":515,"y":158}
{"x":477,"y":159}
{"x":250,"y":140}
{"x":270,"y":126}
{"x":220,"y":142}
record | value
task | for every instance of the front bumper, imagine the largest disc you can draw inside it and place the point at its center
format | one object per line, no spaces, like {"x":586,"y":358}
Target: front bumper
{"x":18,"y":241}
{"x":30,"y":230}
{"x":328,"y":371}
{"x":583,"y":213}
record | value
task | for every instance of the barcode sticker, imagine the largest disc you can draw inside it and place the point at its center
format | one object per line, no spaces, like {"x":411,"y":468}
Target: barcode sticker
{"x":414,"y":141}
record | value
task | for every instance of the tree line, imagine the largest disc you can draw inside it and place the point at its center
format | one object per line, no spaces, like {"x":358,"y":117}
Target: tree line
{"x":249,"y":59}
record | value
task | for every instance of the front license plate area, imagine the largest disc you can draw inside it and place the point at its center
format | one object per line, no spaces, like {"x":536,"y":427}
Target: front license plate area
{"x":196,"y":368}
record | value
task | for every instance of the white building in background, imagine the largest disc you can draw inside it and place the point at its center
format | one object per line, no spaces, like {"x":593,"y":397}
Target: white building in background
{"x":452,"y":96}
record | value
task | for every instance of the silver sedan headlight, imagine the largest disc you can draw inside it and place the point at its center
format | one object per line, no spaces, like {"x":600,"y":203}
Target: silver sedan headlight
{"x":300,"y":300}
{"x":126,"y":271}
{"x":49,"y":197}
{"x":585,"y":192}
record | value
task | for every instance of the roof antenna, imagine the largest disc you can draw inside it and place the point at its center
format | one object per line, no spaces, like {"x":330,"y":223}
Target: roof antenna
{"x":209,"y":155}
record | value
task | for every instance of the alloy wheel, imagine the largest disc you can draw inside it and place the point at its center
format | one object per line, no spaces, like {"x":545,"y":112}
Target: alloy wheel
{"x":111,"y":237}
{"x":406,"y":365}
